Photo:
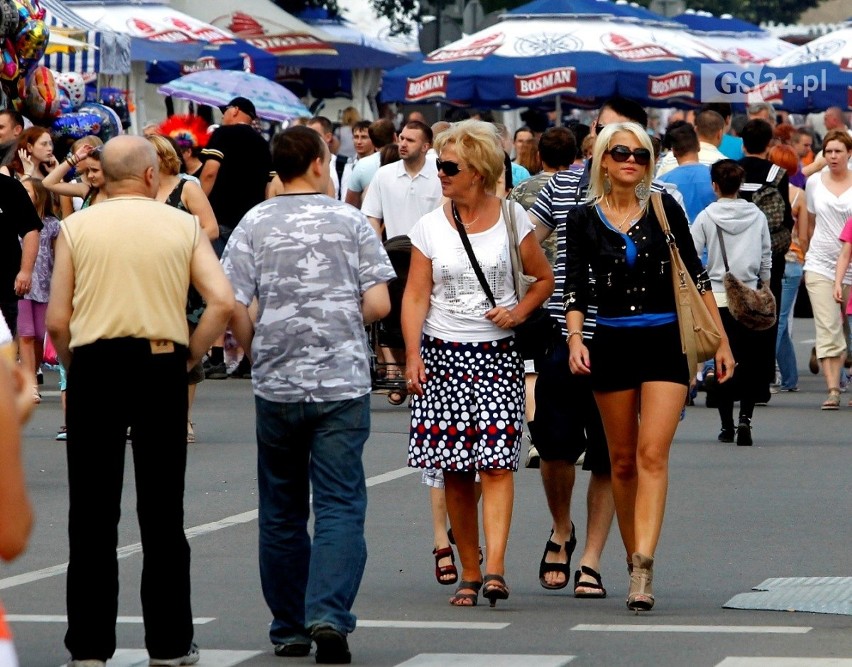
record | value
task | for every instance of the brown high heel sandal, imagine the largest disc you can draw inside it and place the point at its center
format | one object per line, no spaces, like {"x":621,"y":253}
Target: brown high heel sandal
{"x":445,"y":570}
{"x":640,"y":596}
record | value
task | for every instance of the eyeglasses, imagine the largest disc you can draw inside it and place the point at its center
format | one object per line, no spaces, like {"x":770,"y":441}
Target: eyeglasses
{"x":620,"y":153}
{"x":449,"y":167}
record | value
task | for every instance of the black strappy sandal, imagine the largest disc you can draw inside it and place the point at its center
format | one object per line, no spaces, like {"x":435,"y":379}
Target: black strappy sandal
{"x":596,"y":589}
{"x":495,"y":588}
{"x":445,"y":570}
{"x":565,"y":568}
{"x":466,"y":599}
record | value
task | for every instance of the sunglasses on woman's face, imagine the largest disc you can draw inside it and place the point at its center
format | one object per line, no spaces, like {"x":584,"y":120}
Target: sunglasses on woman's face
{"x":620,"y":153}
{"x":449,"y":167}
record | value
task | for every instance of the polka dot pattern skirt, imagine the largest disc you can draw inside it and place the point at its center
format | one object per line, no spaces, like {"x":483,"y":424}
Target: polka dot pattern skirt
{"x":470,"y":416}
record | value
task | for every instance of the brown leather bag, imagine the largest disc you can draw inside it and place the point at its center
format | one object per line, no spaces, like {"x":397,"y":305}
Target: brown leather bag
{"x":699,"y":335}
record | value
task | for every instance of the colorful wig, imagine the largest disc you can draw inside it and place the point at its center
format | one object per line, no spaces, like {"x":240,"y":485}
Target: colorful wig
{"x":188,"y":131}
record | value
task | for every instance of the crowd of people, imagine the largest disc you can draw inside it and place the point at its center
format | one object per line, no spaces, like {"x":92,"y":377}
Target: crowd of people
{"x":283,"y":247}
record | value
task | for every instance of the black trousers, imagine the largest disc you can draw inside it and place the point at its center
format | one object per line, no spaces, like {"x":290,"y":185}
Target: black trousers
{"x":154,"y":404}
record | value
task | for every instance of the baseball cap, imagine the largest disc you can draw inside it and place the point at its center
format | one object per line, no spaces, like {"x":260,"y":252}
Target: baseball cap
{"x":243,"y":104}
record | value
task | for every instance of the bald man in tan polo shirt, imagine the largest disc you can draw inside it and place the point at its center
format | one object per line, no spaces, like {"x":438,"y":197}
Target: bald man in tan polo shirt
{"x":119,"y":288}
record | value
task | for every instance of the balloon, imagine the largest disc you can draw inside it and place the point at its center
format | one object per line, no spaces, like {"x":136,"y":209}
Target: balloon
{"x":64,"y":102}
{"x":72,"y":84}
{"x":110,"y":124}
{"x":9,"y":62}
{"x":76,"y":125}
{"x":31,"y":39}
{"x":42,"y":100}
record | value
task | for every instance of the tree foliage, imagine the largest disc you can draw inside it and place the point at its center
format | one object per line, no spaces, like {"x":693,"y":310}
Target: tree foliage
{"x":755,"y":11}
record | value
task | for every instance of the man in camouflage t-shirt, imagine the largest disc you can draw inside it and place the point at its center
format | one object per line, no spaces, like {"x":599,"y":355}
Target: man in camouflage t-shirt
{"x":319,"y":274}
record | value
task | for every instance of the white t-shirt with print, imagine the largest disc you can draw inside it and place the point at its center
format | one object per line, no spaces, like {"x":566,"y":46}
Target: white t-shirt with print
{"x":458,"y":304}
{"x":831,"y":212}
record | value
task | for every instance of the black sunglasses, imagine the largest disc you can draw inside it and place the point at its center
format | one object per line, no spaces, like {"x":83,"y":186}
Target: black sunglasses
{"x":449,"y":167}
{"x":620,"y":153}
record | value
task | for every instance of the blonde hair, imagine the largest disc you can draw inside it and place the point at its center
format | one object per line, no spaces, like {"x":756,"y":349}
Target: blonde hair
{"x":596,"y":180}
{"x":88,"y":140}
{"x":478,"y":144}
{"x":167,"y":156}
{"x":349,"y":116}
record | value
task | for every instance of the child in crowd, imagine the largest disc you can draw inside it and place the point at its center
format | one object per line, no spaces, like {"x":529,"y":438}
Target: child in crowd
{"x":32,"y":308}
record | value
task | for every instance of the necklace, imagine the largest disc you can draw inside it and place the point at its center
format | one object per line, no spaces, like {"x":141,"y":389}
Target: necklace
{"x":458,"y":219}
{"x":614,"y":210}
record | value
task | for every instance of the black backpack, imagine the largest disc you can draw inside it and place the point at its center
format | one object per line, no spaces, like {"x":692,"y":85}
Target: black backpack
{"x":768,"y":198}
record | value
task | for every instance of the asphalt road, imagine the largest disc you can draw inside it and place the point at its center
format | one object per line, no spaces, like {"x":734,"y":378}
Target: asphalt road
{"x":736,"y":516}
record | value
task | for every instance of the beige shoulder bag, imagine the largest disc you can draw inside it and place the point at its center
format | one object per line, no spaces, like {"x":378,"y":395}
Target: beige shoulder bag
{"x":699,"y":335}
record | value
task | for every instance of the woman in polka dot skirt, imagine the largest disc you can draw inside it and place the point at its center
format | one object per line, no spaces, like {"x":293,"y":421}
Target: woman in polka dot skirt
{"x":466,"y":378}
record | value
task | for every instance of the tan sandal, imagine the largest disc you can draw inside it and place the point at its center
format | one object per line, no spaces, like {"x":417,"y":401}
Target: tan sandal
{"x":833,"y":400}
{"x":190,"y":433}
{"x":641,"y":594}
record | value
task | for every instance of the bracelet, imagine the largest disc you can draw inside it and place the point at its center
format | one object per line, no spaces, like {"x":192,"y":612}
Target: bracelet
{"x":576,"y":332}
{"x":72,"y":160}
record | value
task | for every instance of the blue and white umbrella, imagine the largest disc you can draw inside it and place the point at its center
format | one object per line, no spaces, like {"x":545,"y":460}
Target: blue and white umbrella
{"x":527,"y":58}
{"x":814,"y":76}
{"x":739,"y":41}
{"x":218,"y":87}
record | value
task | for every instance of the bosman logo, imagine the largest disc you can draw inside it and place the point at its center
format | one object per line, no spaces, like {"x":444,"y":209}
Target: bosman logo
{"x":546,"y":82}
{"x":673,"y":84}
{"x":426,"y":86}
{"x":476,"y":50}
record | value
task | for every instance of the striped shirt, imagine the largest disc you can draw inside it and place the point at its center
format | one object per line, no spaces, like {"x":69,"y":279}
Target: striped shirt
{"x":565,"y":191}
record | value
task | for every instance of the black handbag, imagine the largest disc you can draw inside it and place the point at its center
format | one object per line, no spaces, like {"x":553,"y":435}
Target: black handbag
{"x":753,"y":308}
{"x":535,"y":337}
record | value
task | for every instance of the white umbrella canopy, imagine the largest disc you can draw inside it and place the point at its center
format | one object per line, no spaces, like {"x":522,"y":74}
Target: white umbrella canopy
{"x":587,"y":59}
{"x":738,"y":41}
{"x":834,"y":47}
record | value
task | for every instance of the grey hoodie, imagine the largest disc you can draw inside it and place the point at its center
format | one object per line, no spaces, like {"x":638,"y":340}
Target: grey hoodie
{"x":747,"y":241}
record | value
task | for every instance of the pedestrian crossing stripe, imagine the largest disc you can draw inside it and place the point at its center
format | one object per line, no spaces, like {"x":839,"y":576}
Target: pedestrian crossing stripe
{"x":138,"y":657}
{"x":485,"y":660}
{"x":785,"y":662}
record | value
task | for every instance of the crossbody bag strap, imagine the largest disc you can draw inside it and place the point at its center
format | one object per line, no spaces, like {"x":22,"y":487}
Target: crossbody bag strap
{"x":471,"y":256}
{"x":722,"y":248}
{"x":659,"y":209}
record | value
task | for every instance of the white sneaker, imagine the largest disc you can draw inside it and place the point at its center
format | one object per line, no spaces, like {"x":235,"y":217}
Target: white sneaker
{"x":533,"y":459}
{"x":190,"y":658}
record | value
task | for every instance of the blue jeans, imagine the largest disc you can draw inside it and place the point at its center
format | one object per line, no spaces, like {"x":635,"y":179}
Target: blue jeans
{"x":785,"y":354}
{"x":303,"y":447}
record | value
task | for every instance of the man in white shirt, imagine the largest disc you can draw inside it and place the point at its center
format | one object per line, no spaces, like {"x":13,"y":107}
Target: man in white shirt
{"x":403,"y":192}
{"x":710,"y":126}
{"x":322,"y":126}
{"x":381,"y":132}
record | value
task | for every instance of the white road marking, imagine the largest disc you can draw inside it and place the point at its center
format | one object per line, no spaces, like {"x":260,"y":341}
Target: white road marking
{"x":785,"y":662}
{"x":485,"y":660}
{"x":134,"y":657}
{"x":432,"y":625}
{"x":195,"y":531}
{"x":707,"y":629}
{"x":58,"y":618}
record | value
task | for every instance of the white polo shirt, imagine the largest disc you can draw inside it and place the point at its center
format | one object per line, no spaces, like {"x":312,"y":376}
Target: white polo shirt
{"x":400,"y":200}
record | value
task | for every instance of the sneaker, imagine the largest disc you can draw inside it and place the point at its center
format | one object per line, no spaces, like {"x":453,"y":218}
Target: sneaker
{"x":216,"y":372}
{"x":242,"y":371}
{"x":332,"y":647}
{"x":533,"y":459}
{"x":62,"y":433}
{"x":779,"y":389}
{"x":813,"y":362}
{"x":581,"y":459}
{"x":86,"y":663}
{"x":296,"y":648}
{"x":190,"y":658}
{"x":726,"y":434}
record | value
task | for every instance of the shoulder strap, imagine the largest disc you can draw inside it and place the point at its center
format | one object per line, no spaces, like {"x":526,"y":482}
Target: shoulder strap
{"x":775,"y":175}
{"x":508,"y":209}
{"x":176,"y":195}
{"x":472,"y":257}
{"x":340,"y":165}
{"x":722,"y":247}
{"x":659,"y":209}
